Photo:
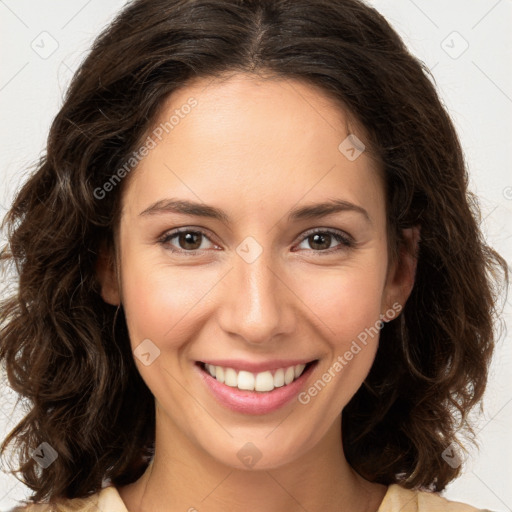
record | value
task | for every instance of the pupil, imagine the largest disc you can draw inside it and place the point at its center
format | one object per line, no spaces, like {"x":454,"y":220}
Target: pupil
{"x":318,"y":236}
{"x":188,"y":239}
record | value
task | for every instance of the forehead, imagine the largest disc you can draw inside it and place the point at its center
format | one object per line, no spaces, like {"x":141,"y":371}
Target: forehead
{"x":254,"y":140}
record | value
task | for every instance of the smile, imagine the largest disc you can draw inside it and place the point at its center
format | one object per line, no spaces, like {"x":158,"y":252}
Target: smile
{"x":254,"y":392}
{"x":262,"y":382}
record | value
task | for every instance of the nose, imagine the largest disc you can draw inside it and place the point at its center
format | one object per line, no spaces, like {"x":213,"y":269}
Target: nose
{"x":257,"y":305}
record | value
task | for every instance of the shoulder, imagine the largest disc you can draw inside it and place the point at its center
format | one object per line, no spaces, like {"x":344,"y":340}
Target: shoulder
{"x":406,"y":500}
{"x":106,"y":499}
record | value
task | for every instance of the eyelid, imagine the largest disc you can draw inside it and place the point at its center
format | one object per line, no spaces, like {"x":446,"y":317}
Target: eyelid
{"x":168,"y":235}
{"x":337,"y":233}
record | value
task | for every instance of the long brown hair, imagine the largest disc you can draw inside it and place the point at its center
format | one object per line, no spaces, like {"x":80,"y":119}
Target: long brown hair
{"x":67,"y":351}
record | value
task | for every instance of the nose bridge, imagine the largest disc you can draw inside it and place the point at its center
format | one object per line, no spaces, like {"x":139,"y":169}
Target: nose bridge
{"x":258,"y":307}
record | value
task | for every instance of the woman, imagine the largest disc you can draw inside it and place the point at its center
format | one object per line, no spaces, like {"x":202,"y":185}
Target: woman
{"x":247,"y":278}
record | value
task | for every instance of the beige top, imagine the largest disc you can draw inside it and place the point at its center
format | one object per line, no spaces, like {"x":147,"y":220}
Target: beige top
{"x":397,"y":499}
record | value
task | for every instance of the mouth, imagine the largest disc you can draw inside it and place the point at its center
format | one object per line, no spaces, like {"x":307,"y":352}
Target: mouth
{"x":262,"y":382}
{"x":255,"y":392}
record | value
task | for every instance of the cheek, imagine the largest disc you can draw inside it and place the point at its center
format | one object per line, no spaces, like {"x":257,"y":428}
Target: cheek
{"x":161,"y":301}
{"x":346,"y":299}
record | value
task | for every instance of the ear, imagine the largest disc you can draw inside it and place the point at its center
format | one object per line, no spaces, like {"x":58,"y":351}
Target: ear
{"x":401,"y":274}
{"x":107,"y":276}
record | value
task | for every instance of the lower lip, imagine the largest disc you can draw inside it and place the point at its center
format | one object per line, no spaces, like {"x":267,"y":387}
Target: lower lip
{"x":254,"y":402}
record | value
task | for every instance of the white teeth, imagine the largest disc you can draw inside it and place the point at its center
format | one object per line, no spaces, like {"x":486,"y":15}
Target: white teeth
{"x":299,"y":368}
{"x":262,"y":382}
{"x":219,"y":374}
{"x":279,"y":378}
{"x":230,"y":378}
{"x":211,"y":369}
{"x":246,"y":380}
{"x":289,"y":375}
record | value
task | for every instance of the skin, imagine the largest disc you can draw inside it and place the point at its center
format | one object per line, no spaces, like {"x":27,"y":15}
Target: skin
{"x":256,"y":159}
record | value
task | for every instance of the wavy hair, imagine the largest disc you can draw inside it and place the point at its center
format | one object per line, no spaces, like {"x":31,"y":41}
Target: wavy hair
{"x":67,"y":352}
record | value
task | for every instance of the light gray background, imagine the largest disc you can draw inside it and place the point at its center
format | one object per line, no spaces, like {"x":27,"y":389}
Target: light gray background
{"x":466,"y":44}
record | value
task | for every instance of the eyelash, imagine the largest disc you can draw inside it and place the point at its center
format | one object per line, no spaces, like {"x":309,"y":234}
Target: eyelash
{"x":346,"y":241}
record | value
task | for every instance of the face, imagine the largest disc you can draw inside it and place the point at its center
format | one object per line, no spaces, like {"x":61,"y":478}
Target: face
{"x":226,"y":267}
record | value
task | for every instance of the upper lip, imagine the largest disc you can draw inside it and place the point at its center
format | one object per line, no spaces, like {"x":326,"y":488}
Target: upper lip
{"x":256,"y":367}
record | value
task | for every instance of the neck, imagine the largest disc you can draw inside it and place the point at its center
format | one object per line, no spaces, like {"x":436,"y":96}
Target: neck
{"x":183,"y":477}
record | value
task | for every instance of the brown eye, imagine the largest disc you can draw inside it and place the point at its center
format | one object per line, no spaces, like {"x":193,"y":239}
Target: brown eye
{"x":320,"y":241}
{"x":190,"y":240}
{"x":187,"y":240}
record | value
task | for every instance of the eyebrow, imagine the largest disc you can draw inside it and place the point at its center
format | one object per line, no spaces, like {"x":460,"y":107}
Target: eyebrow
{"x":312,"y":211}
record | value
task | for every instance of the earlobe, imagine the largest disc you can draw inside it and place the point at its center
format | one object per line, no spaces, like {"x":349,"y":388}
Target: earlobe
{"x":402,"y":276}
{"x":107,"y":277}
